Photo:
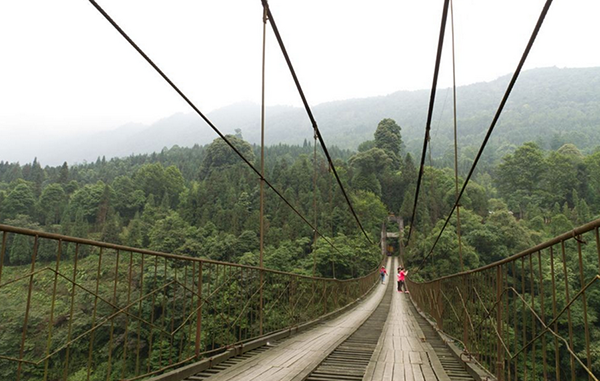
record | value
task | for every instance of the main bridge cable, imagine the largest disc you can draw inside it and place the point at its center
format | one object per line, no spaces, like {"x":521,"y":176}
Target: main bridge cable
{"x":494,"y":121}
{"x":189,"y":102}
{"x":429,"y":114}
{"x":310,"y":115}
{"x":460,"y":253}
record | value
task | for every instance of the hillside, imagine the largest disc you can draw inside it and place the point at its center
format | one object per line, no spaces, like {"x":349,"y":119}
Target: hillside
{"x":551,"y":106}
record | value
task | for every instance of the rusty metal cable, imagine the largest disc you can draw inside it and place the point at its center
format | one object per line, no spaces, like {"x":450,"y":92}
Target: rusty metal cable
{"x":193,"y":106}
{"x":310,"y":115}
{"x":494,"y":121}
{"x":429,"y":114}
{"x":460,"y":253}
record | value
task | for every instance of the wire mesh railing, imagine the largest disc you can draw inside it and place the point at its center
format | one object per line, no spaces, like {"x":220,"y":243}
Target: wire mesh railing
{"x":532,"y":316}
{"x":75,"y":309}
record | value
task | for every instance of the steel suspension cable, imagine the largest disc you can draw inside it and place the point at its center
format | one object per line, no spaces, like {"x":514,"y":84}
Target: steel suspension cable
{"x":310,"y":114}
{"x":262,"y":142}
{"x":460,"y":253}
{"x":193,"y":106}
{"x":494,"y":121}
{"x":316,"y":236}
{"x":262,"y":167}
{"x":429,"y":114}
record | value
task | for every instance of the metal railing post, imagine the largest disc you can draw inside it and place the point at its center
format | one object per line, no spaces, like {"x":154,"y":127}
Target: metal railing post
{"x":440,"y":305}
{"x":499,"y":348}
{"x":465,"y":328}
{"x":199,"y":312}
{"x":26,"y":319}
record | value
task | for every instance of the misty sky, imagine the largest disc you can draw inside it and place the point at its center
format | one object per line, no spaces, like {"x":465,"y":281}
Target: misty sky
{"x":64,"y":69}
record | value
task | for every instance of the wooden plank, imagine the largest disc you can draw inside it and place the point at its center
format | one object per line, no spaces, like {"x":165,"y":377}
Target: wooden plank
{"x":277,"y":374}
{"x":415,"y":358}
{"x":399,"y":372}
{"x":398,"y":357}
{"x":408,"y":372}
{"x":406,"y":357}
{"x":255,"y":374}
{"x":235,"y":371}
{"x":388,"y":372}
{"x":428,"y":373}
{"x":418,"y":372}
{"x":287,"y":358}
{"x":379,"y":371}
{"x":271,"y":374}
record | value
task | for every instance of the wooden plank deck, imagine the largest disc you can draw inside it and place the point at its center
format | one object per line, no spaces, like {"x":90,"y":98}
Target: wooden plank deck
{"x":297,"y":356}
{"x":402,"y":353}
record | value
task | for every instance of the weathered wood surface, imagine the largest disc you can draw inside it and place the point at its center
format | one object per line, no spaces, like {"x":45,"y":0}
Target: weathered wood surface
{"x":402,"y":354}
{"x":297,"y":356}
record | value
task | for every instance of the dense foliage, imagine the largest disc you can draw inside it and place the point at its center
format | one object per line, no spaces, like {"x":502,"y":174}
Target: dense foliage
{"x":531,"y":196}
{"x":201,"y":202}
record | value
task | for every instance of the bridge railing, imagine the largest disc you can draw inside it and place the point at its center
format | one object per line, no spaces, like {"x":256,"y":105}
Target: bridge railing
{"x":75,"y":309}
{"x":532,"y":316}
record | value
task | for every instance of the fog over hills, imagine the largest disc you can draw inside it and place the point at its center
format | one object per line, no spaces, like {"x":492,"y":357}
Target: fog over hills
{"x":550,"y":106}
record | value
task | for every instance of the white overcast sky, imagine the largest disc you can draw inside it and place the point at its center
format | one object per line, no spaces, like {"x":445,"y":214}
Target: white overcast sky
{"x":63,"y":67}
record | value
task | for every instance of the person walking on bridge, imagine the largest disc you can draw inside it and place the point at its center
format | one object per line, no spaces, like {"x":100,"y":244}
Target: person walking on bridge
{"x":383,"y":273}
{"x":401,"y":279}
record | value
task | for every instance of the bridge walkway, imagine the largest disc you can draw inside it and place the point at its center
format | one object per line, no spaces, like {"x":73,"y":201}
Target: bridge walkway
{"x":294,"y":358}
{"x":402,"y":352}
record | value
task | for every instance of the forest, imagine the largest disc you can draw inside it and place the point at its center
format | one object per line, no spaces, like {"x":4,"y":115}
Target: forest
{"x":203,"y":202}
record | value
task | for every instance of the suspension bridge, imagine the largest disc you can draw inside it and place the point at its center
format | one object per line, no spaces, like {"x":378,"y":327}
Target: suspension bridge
{"x":133,"y":314}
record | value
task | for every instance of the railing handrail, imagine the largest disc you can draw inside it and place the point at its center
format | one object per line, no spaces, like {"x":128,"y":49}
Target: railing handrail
{"x":107,"y":245}
{"x":534,"y":305}
{"x":544,"y":245}
{"x":182,"y":309}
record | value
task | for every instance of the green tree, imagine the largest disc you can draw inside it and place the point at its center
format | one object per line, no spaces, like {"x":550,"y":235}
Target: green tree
{"x":129,"y":200}
{"x":519,"y":176}
{"x":20,"y":250}
{"x":64,"y":174}
{"x":132,"y":234}
{"x":408,"y":181}
{"x":150,"y":178}
{"x":53,"y":202}
{"x":592,"y":180}
{"x":71,"y":187}
{"x":20,"y":200}
{"x":37,"y":176}
{"x":169,"y":234}
{"x":371,"y":212}
{"x":219,"y":155}
{"x":87,"y":200}
{"x":561,"y":178}
{"x":389,"y":139}
{"x":174,"y":184}
{"x":367,"y":145}
{"x":111,"y":229}
{"x":560,"y":224}
{"x":367,"y":166}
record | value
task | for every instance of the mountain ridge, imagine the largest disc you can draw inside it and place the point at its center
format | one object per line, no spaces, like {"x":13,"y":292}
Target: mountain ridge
{"x":548,"y":105}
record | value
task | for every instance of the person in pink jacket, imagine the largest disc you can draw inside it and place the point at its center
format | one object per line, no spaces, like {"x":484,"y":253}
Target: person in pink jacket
{"x":401,"y":277}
